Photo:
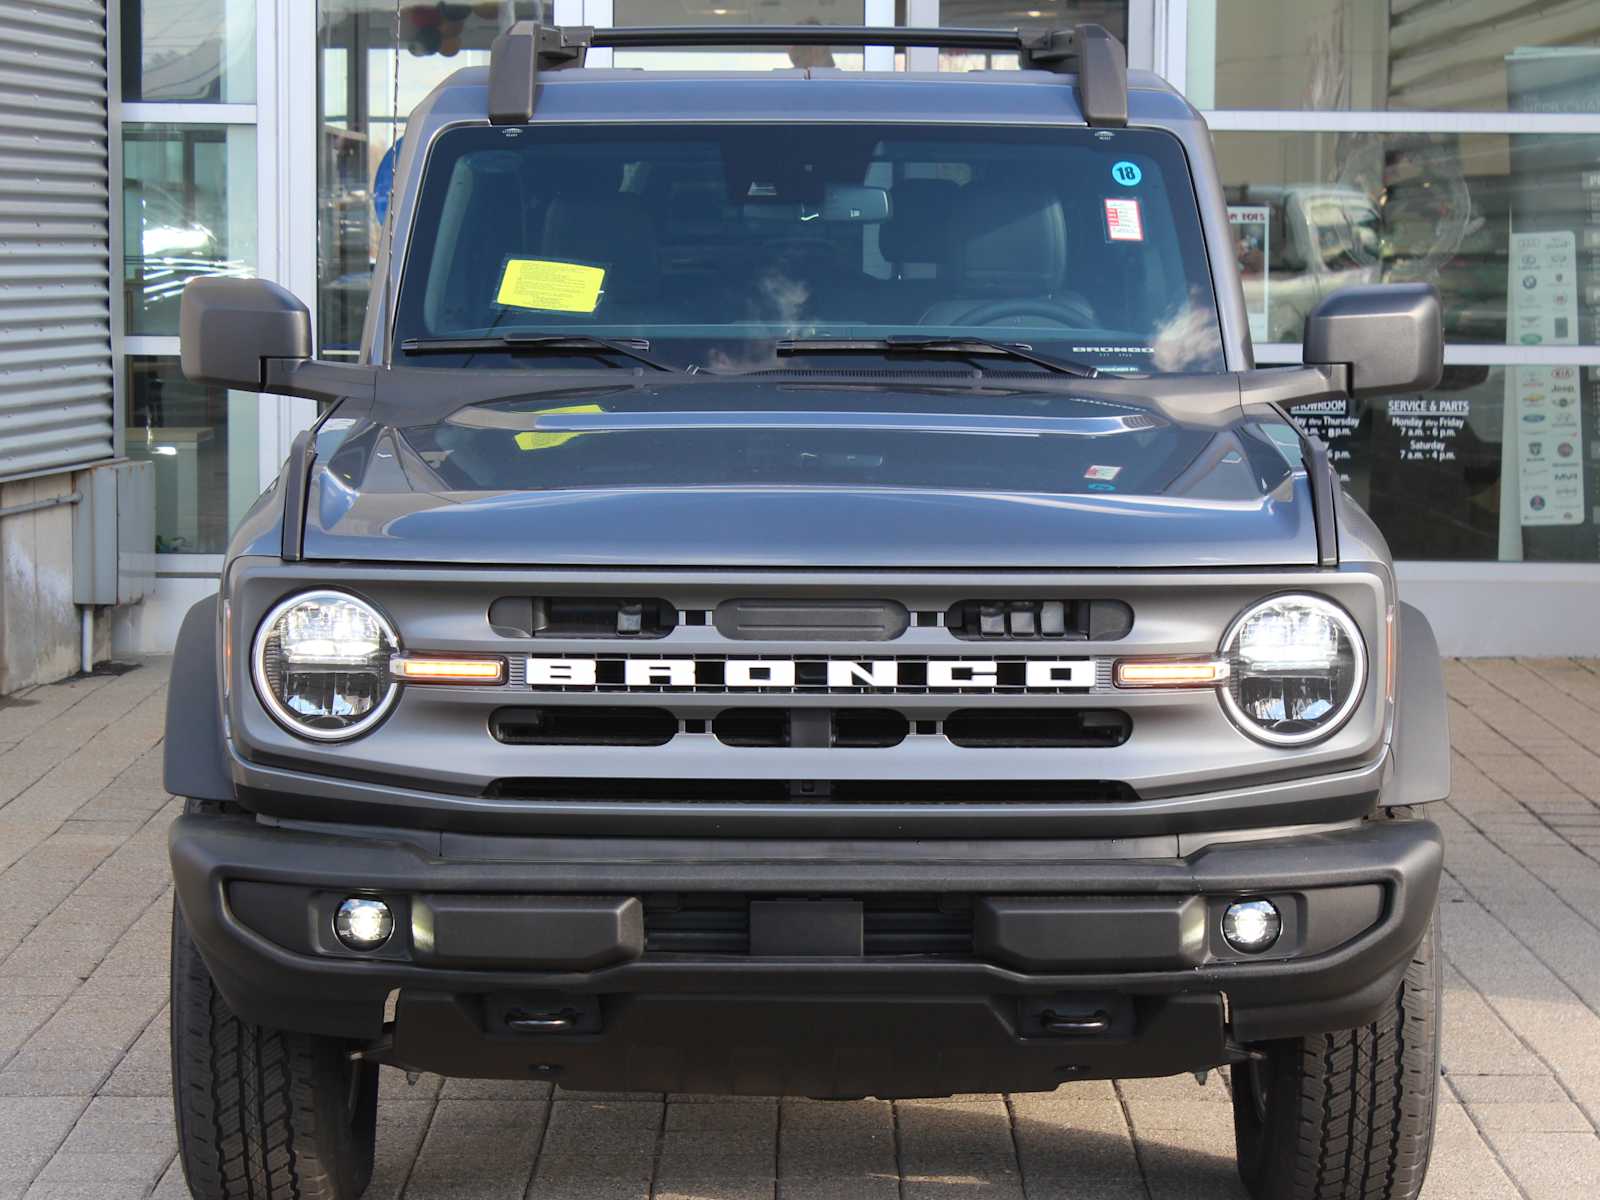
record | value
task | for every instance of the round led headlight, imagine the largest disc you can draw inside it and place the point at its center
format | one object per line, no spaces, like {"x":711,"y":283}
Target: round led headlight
{"x":1297,"y":668}
{"x":321,"y":665}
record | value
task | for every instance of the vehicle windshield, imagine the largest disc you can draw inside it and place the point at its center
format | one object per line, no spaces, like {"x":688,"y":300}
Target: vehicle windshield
{"x":739,"y":247}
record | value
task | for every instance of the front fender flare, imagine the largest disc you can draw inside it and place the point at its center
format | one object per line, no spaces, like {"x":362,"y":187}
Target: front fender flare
{"x":194,"y":759}
{"x":1421,"y":719}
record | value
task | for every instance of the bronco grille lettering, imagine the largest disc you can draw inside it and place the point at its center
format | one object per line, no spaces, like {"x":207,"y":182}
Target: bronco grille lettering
{"x":713,"y":673}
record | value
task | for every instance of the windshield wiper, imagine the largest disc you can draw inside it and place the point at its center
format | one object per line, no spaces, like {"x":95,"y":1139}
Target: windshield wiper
{"x":964,"y":347}
{"x":539,"y":343}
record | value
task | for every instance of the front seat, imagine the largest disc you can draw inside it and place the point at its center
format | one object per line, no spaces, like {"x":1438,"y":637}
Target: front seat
{"x":611,"y":230}
{"x":1010,"y":262}
{"x":915,"y":240}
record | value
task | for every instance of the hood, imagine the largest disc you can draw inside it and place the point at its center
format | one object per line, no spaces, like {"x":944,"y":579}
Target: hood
{"x":820,"y":476}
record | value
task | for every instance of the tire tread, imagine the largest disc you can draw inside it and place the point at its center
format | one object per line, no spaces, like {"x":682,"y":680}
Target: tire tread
{"x":250,"y":1102}
{"x":1352,"y":1112}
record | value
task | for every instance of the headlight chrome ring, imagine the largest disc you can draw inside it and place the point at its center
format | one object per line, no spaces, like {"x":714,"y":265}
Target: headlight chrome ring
{"x":1244,"y":672}
{"x":341,"y":668}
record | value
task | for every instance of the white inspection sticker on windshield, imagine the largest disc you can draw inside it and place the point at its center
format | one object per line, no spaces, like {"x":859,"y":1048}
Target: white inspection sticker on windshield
{"x":1122,"y":220}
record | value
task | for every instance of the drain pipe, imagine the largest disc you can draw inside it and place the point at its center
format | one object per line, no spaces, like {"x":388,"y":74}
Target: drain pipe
{"x":87,"y":649}
{"x":16,"y":510}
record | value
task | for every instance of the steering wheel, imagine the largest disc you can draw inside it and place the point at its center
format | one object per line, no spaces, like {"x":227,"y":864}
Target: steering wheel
{"x":1064,"y":310}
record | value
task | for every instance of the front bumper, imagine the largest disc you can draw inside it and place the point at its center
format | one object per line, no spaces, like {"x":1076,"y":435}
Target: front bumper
{"x":1120,"y":933}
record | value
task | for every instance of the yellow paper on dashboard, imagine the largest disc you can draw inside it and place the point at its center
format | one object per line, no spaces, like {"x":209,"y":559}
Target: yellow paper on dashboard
{"x":551,"y":286}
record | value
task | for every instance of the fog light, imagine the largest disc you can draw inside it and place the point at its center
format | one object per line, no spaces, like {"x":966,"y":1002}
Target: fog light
{"x":1251,"y":926}
{"x":363,"y":924}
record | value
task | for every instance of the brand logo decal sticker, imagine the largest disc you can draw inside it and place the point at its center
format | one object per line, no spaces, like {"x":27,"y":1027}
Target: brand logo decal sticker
{"x":626,"y":673}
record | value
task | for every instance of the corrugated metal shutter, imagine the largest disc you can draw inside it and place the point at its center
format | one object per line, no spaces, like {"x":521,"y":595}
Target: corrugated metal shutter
{"x":55,"y":220}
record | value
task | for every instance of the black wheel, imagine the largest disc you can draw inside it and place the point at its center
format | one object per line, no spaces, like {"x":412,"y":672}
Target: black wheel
{"x":1347,"y":1115}
{"x":263,"y":1114}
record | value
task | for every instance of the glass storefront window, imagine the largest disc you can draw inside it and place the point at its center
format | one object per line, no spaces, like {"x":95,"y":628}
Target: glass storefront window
{"x":741,"y":12}
{"x":1507,"y":227}
{"x":373,"y":69}
{"x":195,"y":51}
{"x":189,"y":210}
{"x":1022,"y":14}
{"x":1488,"y":56}
{"x":1498,"y":463}
{"x":204,"y":443}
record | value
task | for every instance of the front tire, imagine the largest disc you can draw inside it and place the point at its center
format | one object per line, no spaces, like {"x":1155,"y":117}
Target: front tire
{"x":1347,"y":1115}
{"x":263,"y":1114}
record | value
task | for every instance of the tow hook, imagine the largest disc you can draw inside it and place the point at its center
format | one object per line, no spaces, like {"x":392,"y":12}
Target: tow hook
{"x":1077,"y":1015}
{"x":1075,"y":1023}
{"x":542,"y":1022}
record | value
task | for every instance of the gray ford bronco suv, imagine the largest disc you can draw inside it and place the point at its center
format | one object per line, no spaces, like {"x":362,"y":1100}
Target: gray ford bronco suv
{"x":806,"y":592}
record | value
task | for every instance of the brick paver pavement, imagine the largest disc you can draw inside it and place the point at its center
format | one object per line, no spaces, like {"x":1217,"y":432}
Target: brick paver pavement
{"x":84,"y":1108}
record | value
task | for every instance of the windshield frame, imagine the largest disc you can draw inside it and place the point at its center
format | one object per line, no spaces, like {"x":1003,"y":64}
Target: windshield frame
{"x":1232,"y":353}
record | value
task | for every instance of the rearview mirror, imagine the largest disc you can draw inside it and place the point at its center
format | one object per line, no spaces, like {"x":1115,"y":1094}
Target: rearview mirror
{"x":229,"y":327}
{"x":1390,"y":335}
{"x":853,"y":203}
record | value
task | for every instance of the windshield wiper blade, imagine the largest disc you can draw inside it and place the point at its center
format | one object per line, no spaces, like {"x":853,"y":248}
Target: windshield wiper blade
{"x":919,"y":344}
{"x":538,"y":343}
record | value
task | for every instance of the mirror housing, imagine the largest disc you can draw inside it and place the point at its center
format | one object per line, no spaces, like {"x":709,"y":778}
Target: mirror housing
{"x":228,"y":327}
{"x":1391,"y":336}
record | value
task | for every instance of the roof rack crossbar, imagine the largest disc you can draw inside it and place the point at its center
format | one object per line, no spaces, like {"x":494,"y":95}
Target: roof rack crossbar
{"x":521,"y":53}
{"x":634,"y":37}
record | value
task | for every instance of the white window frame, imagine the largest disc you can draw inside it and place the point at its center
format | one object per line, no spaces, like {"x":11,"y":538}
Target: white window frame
{"x":261,"y":117}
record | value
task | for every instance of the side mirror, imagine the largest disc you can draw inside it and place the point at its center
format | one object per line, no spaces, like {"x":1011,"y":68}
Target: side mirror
{"x":229,"y":326}
{"x":1390,"y":335}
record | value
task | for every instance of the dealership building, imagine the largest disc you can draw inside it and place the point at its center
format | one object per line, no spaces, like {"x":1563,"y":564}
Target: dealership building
{"x":148,"y":142}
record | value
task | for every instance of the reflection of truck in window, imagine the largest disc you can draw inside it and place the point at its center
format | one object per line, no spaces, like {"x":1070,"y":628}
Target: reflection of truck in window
{"x":1451,"y":232}
{"x":1320,"y":238}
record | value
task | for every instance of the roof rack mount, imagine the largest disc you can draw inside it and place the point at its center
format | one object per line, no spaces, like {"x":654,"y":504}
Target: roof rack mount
{"x":528,"y":48}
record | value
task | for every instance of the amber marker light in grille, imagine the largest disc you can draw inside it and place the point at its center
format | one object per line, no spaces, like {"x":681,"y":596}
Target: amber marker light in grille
{"x":1170,"y":672}
{"x":429,"y":668}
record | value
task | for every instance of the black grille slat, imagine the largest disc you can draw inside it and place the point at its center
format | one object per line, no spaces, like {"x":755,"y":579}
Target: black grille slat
{"x":892,"y":926}
{"x":1021,"y":619}
{"x":869,"y":728}
{"x":812,"y":620}
{"x":895,"y":925}
{"x":704,"y":928}
{"x":812,"y":791}
{"x":844,"y":729}
{"x":1038,"y":728}
{"x":752,"y":727}
{"x":583,"y":726}
{"x":627,"y":617}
